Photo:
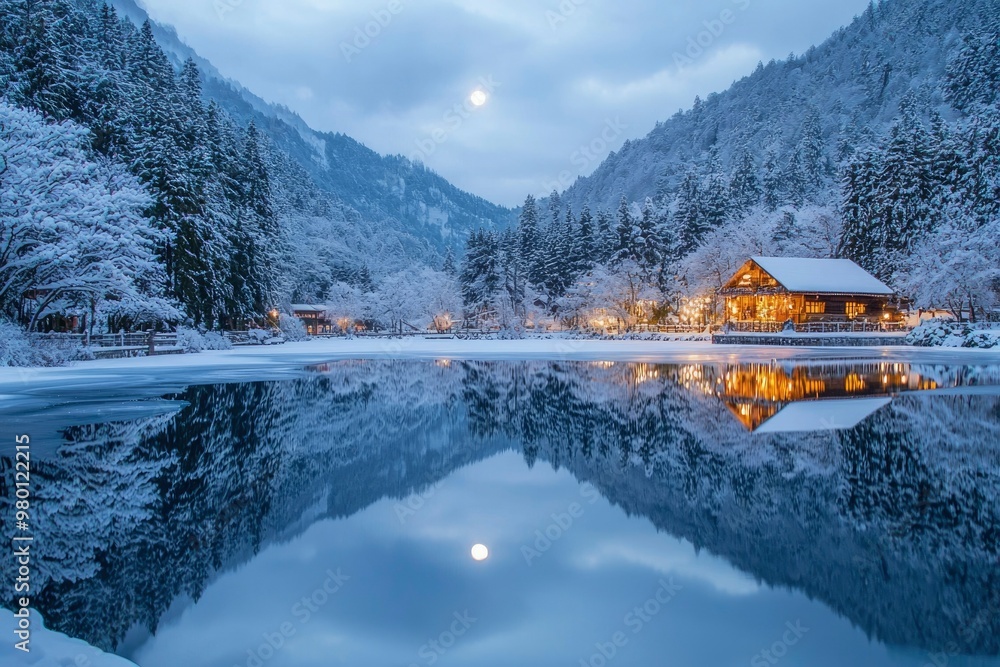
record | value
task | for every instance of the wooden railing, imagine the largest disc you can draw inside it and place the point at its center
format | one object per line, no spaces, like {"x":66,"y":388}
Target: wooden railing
{"x":122,"y":340}
{"x":855,"y":326}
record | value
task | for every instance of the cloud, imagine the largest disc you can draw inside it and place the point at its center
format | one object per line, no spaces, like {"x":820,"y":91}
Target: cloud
{"x":387,"y":71}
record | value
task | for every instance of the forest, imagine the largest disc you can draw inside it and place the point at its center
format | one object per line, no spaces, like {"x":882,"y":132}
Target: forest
{"x":130,"y":198}
{"x":915,"y":200}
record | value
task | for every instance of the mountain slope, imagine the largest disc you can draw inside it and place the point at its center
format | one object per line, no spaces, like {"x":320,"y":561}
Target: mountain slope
{"x":427,"y":211}
{"x":853,"y":85}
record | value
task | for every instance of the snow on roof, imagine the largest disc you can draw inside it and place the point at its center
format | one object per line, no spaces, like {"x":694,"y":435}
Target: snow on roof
{"x":835,"y":415}
{"x":822,"y":276}
{"x":306,"y":308}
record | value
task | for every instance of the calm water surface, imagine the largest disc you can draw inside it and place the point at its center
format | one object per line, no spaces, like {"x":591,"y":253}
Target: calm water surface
{"x":635,"y":514}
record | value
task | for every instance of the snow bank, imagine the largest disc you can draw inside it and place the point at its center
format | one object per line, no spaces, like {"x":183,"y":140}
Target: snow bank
{"x":938,"y":333}
{"x":18,"y":349}
{"x":130,"y":377}
{"x":51,"y":649}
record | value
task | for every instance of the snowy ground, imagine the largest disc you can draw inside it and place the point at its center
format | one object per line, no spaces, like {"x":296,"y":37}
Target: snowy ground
{"x":51,"y":649}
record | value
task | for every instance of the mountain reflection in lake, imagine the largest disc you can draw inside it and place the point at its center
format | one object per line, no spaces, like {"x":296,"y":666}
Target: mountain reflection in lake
{"x":857,"y":499}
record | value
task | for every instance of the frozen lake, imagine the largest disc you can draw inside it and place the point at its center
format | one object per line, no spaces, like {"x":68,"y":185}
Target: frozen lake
{"x":700,"y":507}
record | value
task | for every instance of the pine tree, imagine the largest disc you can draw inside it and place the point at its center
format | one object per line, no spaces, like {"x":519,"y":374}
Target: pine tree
{"x":906,"y":184}
{"x":481,"y":278}
{"x":626,"y":234}
{"x":715,"y":202}
{"x":514,"y":286}
{"x":744,"y":188}
{"x":263,"y":234}
{"x":796,"y":182}
{"x":650,"y":247}
{"x":813,"y":153}
{"x":448,"y":265}
{"x":46,"y":79}
{"x":689,"y":217}
{"x":585,"y":250}
{"x":530,"y":242}
{"x":973,"y":76}
{"x":365,"y":281}
{"x":772,"y":182}
{"x":605,"y":241}
{"x":555,"y":208}
{"x":863,"y":240}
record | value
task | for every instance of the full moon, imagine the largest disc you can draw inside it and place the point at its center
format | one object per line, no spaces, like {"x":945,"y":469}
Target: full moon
{"x":480,"y":552}
{"x":478,"y":98}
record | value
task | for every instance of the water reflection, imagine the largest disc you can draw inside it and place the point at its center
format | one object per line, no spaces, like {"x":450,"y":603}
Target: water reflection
{"x":879,"y":500}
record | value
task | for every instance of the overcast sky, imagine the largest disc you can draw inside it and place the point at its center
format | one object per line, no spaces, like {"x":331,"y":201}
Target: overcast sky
{"x":560,"y":77}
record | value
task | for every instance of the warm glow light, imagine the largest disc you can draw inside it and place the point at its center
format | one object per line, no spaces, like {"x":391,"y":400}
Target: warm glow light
{"x":478,"y":98}
{"x":480,"y":552}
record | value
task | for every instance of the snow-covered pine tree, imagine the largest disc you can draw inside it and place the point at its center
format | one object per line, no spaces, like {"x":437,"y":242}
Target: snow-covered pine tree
{"x":689,"y":217}
{"x":974,"y":72}
{"x":262,"y":239}
{"x":650,"y":247}
{"x":448,"y":265}
{"x":907,"y":184}
{"x":530,"y":234}
{"x":772,"y":182}
{"x":605,"y":240}
{"x":626,"y":234}
{"x":585,"y":249}
{"x":813,"y":153}
{"x":481,"y":277}
{"x":744,"y":188}
{"x":863,"y":240}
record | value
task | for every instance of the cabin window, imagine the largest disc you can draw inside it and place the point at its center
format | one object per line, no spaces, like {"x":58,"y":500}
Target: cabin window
{"x":855,"y":310}
{"x":815,"y":307}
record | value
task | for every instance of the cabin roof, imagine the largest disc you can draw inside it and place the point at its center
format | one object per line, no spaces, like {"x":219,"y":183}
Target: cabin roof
{"x":307,"y":308}
{"x":822,"y":276}
{"x":825,"y":415}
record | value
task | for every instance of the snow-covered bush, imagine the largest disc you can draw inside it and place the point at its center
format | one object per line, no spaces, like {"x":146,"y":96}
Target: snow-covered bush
{"x":18,"y":348}
{"x":264,"y":337}
{"x":292,"y":328}
{"x":946,"y":333}
{"x":192,"y":340}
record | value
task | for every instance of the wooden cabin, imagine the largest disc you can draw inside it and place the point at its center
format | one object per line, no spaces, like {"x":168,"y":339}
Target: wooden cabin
{"x":314,"y":318}
{"x":776,"y":290}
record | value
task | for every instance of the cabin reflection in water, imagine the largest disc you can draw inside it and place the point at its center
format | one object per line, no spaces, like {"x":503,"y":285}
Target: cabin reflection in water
{"x":774,"y":398}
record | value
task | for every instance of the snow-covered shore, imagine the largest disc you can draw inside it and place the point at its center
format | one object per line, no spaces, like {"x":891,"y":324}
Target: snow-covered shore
{"x":275,"y":362}
{"x":293,"y":356}
{"x":50,"y":648}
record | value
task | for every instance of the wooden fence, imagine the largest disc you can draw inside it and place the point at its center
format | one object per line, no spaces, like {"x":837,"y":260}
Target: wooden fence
{"x":819,"y":327}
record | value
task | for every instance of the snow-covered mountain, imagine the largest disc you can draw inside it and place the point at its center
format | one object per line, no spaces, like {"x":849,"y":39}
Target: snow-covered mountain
{"x":402,"y":198}
{"x":851,"y":85}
